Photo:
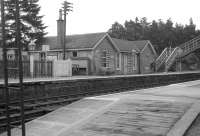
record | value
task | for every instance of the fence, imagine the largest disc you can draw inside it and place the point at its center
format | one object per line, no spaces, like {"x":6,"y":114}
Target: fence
{"x":43,"y":69}
{"x":12,"y":73}
{"x":40,"y":69}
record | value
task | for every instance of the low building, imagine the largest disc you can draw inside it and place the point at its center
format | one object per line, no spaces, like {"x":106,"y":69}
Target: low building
{"x":136,"y":56}
{"x":98,"y":53}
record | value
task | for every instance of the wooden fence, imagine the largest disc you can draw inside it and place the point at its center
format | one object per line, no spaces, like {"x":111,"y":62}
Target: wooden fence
{"x":40,"y":69}
{"x":43,"y":69}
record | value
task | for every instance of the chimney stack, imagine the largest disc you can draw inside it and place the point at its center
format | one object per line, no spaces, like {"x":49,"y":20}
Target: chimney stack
{"x":60,"y":30}
{"x":60,"y":14}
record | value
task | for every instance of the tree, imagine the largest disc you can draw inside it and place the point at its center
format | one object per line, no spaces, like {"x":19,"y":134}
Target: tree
{"x":155,"y":36}
{"x":190,"y":30}
{"x":130,"y":30}
{"x":161,"y":34}
{"x":134,"y":29}
{"x":145,"y":28}
{"x":117,"y":31}
{"x":31,"y":24}
{"x":169,"y":34}
{"x":179,"y":34}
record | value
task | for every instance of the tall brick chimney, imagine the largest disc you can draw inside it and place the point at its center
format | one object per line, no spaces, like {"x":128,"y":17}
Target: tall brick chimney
{"x":60,"y":30}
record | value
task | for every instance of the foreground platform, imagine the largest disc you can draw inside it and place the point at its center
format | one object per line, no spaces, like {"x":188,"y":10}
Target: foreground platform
{"x":160,"y":111}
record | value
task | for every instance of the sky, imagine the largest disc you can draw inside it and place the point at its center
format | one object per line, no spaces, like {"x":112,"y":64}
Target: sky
{"x":91,"y":16}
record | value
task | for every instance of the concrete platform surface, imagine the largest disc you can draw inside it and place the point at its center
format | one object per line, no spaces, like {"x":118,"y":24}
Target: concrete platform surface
{"x":160,"y":111}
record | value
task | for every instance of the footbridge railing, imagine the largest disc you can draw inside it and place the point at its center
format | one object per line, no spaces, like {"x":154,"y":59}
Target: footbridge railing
{"x":190,"y":46}
{"x":168,"y":56}
{"x":161,"y":60}
{"x":171,"y":59}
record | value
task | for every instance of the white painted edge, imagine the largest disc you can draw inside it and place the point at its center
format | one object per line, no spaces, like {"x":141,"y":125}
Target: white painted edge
{"x":102,"y":98}
{"x":153,"y":49}
{"x":185,"y":122}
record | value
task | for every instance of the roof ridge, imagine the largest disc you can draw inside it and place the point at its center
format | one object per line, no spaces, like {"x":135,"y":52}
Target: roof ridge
{"x":78,"y":34}
{"x":87,"y":34}
{"x":129,"y":40}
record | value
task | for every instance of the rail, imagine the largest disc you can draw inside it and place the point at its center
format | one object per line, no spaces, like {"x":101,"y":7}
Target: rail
{"x":161,"y":59}
{"x":176,"y":52}
{"x":190,"y":46}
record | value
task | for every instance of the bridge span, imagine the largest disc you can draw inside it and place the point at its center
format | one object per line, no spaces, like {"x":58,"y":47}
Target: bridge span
{"x":159,"y":111}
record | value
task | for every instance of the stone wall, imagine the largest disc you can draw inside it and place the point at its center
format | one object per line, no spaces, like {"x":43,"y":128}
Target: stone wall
{"x":147,"y":57}
{"x":92,"y":85}
{"x":105,"y":45}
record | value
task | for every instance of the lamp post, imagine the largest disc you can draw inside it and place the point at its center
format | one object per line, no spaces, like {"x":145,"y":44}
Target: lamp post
{"x":66,"y":8}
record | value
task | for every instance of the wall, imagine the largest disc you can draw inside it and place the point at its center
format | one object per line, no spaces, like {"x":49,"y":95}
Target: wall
{"x":147,"y":57}
{"x":62,"y":68}
{"x":83,"y":53}
{"x":83,"y":56}
{"x":52,"y":55}
{"x":96,"y":63}
{"x":35,"y":55}
{"x":83,"y":65}
{"x":90,"y":85}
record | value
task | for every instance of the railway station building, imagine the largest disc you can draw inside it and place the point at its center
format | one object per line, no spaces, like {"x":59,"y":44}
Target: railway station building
{"x":99,"y":54}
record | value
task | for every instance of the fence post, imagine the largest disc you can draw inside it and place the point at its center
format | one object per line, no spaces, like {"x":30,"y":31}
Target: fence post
{"x":31,"y":65}
{"x":69,"y":67}
{"x":52,"y":68}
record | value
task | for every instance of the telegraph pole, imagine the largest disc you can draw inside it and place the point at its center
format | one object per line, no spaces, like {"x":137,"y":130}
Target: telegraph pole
{"x":66,"y":9}
{"x":7,"y":98}
{"x":18,"y":39}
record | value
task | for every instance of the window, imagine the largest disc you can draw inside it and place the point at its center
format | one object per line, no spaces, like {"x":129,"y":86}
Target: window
{"x":10,"y":57}
{"x":118,"y":61}
{"x":134,"y":61}
{"x":42,"y":56}
{"x":105,"y":58}
{"x":74,"y":53}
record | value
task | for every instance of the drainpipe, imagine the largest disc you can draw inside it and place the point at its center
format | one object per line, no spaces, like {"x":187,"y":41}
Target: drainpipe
{"x":138,"y":62}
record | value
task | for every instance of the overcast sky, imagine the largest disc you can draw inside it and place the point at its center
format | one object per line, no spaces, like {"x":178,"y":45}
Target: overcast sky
{"x":91,"y":16}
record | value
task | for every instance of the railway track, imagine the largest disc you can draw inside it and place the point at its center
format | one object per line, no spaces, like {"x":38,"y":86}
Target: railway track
{"x":37,"y":107}
{"x":33,"y":109}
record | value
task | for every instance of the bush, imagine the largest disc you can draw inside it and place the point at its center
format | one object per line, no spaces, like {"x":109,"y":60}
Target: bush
{"x":106,"y":72}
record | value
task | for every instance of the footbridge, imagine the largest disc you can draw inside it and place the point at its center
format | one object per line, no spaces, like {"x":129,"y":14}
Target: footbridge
{"x":169,"y":55}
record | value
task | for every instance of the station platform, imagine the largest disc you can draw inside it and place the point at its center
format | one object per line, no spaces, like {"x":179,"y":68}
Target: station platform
{"x":159,"y":111}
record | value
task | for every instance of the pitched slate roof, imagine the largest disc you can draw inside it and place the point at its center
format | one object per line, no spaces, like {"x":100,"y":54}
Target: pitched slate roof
{"x":81,"y":41}
{"x":51,"y":41}
{"x":85,"y":41}
{"x":125,"y":45}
